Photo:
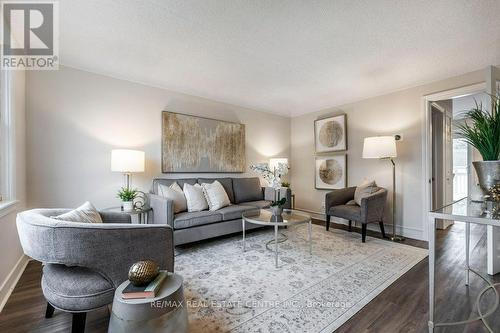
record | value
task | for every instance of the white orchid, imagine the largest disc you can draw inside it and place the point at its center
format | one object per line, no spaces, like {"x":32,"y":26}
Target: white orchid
{"x":273,"y":177}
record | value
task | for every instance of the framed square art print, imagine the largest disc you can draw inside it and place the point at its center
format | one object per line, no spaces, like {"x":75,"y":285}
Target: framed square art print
{"x":331,"y":172}
{"x":330,"y":134}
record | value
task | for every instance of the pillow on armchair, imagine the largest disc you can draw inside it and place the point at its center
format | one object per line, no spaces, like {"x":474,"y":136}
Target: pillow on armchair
{"x":363,"y":190}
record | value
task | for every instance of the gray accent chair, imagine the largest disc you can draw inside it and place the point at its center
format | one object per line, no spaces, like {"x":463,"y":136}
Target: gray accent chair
{"x":85,"y":262}
{"x":371,"y":209}
{"x":245,"y":195}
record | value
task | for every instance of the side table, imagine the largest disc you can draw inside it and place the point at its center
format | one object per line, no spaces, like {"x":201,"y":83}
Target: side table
{"x":141,"y":213}
{"x":167,"y":312}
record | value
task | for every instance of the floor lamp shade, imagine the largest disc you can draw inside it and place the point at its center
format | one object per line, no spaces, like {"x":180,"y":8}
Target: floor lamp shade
{"x":379,"y":147}
{"x":127,"y":161}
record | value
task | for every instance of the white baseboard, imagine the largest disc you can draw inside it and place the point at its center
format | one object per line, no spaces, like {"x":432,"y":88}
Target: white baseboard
{"x":404,"y":231}
{"x":11,"y":280}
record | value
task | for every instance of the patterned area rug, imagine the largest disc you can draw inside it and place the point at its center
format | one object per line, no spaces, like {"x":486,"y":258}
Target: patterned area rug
{"x":231,"y":291}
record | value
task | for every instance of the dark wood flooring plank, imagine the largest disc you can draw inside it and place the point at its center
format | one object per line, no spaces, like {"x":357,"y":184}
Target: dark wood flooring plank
{"x":402,"y":307}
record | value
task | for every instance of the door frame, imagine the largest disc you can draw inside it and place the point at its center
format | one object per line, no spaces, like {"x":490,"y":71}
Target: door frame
{"x":427,"y":138}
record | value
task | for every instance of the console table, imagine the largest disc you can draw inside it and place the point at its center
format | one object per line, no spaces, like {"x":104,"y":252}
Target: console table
{"x":466,"y":211}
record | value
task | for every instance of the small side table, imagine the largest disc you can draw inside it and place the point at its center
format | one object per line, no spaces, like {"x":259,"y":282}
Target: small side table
{"x":141,"y":213}
{"x":167,"y":312}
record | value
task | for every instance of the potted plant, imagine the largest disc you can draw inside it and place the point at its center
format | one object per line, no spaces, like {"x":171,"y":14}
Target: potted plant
{"x":483,"y":133}
{"x":127,"y":196}
{"x":277,"y":206}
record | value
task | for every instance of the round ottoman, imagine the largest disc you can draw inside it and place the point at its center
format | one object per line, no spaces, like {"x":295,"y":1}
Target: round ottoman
{"x":167,"y":312}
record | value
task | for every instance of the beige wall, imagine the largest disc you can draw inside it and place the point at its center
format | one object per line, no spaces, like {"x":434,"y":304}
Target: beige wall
{"x":75,"y":118}
{"x":397,"y":113}
{"x":12,"y":260}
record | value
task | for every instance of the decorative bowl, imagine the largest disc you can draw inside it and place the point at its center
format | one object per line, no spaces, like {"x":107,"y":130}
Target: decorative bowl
{"x":143,"y":272}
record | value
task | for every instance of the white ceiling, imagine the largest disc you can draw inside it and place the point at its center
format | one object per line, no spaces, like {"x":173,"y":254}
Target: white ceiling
{"x":283,"y":56}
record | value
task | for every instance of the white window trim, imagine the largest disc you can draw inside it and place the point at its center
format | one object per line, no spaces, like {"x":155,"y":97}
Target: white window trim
{"x":7,"y":141}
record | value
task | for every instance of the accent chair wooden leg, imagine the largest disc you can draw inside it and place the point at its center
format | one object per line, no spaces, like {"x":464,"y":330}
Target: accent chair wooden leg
{"x":49,"y":312}
{"x":327,"y":222}
{"x":382,"y":230}
{"x":363,"y":232}
{"x":350,"y":225}
{"x":78,"y":324}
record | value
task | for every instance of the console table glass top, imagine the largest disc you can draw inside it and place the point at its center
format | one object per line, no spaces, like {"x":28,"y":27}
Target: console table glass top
{"x":466,"y":210}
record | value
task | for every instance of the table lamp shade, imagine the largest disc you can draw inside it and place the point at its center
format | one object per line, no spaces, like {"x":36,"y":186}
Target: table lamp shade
{"x":126,"y":160}
{"x":379,"y":147}
{"x":274,"y":162}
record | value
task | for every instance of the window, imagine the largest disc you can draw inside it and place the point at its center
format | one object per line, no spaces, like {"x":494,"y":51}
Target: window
{"x":7,"y":132}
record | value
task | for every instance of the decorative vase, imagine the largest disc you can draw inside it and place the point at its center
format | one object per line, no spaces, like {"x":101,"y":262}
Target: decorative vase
{"x":143,"y":272}
{"x":277,"y":211}
{"x":488,"y":174}
{"x":128,"y":206}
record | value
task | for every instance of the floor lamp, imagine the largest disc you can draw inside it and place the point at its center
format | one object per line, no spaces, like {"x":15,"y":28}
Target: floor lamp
{"x":384,"y":147}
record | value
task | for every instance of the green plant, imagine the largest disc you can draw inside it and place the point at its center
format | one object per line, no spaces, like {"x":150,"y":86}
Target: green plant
{"x":484,"y":132}
{"x":127,"y":194}
{"x":285,"y":184}
{"x":280,"y":203}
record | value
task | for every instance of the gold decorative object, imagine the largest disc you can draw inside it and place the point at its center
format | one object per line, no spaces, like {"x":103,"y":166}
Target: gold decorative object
{"x":143,"y":272}
{"x":495,"y":192}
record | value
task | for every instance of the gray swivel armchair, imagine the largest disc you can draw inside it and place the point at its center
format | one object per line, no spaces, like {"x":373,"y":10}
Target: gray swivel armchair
{"x":85,"y":262}
{"x":371,"y":209}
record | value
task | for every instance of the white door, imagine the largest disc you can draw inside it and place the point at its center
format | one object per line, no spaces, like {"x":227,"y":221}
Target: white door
{"x":493,"y":88}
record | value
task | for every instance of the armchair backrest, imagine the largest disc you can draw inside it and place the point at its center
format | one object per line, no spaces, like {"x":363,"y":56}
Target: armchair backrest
{"x":108,"y":248}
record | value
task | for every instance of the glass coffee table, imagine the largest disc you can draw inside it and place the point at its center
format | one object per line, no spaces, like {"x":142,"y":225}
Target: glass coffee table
{"x":288,"y":218}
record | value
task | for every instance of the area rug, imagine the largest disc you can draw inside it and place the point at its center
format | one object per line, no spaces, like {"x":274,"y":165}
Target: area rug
{"x":230,"y":291}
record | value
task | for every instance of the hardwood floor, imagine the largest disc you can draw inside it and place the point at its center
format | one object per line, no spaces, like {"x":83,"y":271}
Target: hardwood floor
{"x":400,"y":308}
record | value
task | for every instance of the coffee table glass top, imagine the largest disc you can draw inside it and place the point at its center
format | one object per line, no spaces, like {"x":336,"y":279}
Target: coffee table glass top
{"x":265,"y":217}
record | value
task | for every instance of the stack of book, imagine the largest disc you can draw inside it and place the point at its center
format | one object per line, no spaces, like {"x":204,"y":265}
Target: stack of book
{"x":147,"y":291}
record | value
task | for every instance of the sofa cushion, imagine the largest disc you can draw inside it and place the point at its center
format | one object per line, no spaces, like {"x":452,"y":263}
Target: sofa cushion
{"x":259,"y":203}
{"x":75,"y":288}
{"x":363,"y":190}
{"x":348,"y":212}
{"x":247,"y":189}
{"x":174,"y":193}
{"x":227,"y":183}
{"x":234,"y":212}
{"x":193,"y":219}
{"x":168,"y":182}
{"x":196,"y":201}
{"x":216,"y":196}
{"x":86,"y":213}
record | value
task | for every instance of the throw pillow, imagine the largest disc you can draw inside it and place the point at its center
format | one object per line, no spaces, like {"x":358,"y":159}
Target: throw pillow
{"x":366,"y":188}
{"x":351,"y":203}
{"x":86,"y":213}
{"x":195,"y":198}
{"x":174,"y":193}
{"x":216,"y":195}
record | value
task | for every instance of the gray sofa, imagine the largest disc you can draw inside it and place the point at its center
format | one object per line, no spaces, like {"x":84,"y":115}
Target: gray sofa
{"x":371,"y":209}
{"x":245,"y":194}
{"x":85,"y":262}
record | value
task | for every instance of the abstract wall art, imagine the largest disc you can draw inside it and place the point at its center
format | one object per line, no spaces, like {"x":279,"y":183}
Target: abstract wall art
{"x":330,"y":134}
{"x":331,"y":172}
{"x":197,"y":144}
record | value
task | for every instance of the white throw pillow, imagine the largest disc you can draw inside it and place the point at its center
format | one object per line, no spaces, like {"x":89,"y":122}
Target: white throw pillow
{"x":216,"y":195}
{"x":195,"y":198}
{"x":86,"y":213}
{"x":366,"y":188}
{"x":174,"y":193}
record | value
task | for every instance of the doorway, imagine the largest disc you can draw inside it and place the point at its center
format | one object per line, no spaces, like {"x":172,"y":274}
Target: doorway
{"x":452,"y":176}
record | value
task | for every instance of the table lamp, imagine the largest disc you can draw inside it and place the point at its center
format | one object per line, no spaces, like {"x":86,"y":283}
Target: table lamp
{"x":384,"y":147}
{"x":127,"y":161}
